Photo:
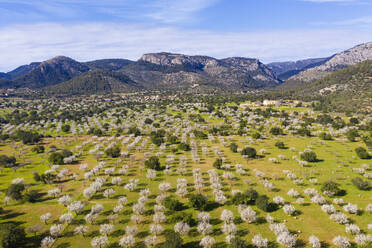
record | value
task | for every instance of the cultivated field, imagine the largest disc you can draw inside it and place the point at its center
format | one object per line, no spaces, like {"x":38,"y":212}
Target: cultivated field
{"x":158,"y":175}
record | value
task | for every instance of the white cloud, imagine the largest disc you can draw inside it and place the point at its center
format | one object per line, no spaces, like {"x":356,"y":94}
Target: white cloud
{"x":20,"y":44}
{"x":170,"y":11}
{"x":164,"y":11}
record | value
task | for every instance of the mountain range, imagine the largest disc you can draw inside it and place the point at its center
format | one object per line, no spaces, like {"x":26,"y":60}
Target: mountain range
{"x":287,"y":69}
{"x":155,"y":71}
{"x":176,"y":72}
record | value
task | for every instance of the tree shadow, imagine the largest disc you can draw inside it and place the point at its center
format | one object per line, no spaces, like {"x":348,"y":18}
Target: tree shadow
{"x":118,"y":233}
{"x":64,"y":245}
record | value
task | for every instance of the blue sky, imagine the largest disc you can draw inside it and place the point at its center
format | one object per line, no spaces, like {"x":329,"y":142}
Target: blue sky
{"x":271,"y":30}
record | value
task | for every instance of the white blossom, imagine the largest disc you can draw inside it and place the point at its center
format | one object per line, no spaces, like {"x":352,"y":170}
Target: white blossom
{"x":47,"y":241}
{"x":99,"y":242}
{"x":259,"y":241}
{"x":207,"y":242}
{"x":341,"y":241}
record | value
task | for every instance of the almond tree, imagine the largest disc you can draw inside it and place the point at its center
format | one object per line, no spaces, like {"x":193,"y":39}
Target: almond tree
{"x":99,"y":242}
{"x":47,"y":242}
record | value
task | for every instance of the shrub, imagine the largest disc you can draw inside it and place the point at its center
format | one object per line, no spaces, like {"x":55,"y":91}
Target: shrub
{"x":198,"y":201}
{"x":13,"y":236}
{"x":56,"y":158}
{"x":303,"y":132}
{"x":256,"y":135}
{"x":238,"y":243}
{"x":360,"y":184}
{"x":7,"y":162}
{"x":325,"y":136}
{"x":184,"y":147}
{"x":352,"y":134}
{"x":95,"y":131}
{"x":331,"y":186}
{"x":38,"y":149}
{"x":173,"y":139}
{"x":183,"y":217}
{"x":276,"y":131}
{"x":280,"y":144}
{"x":172,"y":204}
{"x":48,"y":178}
{"x":153,"y":163}
{"x":309,"y":156}
{"x":66,"y":128}
{"x":262,"y":202}
{"x":157,"y":140}
{"x":247,"y":197}
{"x":172,"y":240}
{"x":354,"y":121}
{"x":15,"y":191}
{"x":233,"y":147}
{"x":36,"y":176}
{"x":362,"y":153}
{"x":148,"y":121}
{"x":199,"y":134}
{"x":66,"y":153}
{"x":134,"y":130}
{"x":31,"y":196}
{"x":4,"y":137}
{"x":113,"y":152}
{"x":249,"y":151}
{"x":239,"y":198}
{"x":218,"y":163}
{"x":28,"y":137}
{"x":251,"y":195}
{"x":368,"y":141}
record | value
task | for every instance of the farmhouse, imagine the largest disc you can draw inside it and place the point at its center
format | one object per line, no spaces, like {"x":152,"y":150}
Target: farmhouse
{"x":272,"y":102}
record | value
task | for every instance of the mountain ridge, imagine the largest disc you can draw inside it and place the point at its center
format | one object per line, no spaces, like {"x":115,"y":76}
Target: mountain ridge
{"x":171,"y":72}
{"x":337,"y":62}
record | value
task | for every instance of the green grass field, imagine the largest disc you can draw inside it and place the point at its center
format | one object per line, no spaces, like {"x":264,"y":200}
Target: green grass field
{"x":336,"y":160}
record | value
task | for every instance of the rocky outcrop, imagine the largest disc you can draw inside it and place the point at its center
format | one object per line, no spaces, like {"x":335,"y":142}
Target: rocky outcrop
{"x":179,"y":70}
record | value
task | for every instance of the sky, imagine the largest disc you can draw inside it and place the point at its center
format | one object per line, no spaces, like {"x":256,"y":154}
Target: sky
{"x":270,"y":30}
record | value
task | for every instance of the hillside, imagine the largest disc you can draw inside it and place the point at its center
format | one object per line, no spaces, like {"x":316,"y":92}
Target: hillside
{"x":349,"y":89}
{"x":335,"y":63}
{"x":108,"y":64}
{"x":178,"y":71}
{"x":50,"y":72}
{"x":285,"y":70}
{"x":95,"y":82}
{"x":22,"y":70}
{"x":3,"y":75}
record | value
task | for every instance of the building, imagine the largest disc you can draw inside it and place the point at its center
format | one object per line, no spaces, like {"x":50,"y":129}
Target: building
{"x":276,"y":103}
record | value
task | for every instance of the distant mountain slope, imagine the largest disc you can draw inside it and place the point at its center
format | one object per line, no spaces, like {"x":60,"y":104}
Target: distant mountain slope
{"x":336,"y":62}
{"x":178,"y":71}
{"x":50,"y":72}
{"x":285,"y":70}
{"x":108,"y":64}
{"x":347,"y":89}
{"x":5,"y":83}
{"x":95,"y":82}
{"x":4,"y":75}
{"x":22,"y":70}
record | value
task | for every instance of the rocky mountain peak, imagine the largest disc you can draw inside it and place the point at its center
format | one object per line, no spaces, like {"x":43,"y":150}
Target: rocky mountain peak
{"x":172,"y":59}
